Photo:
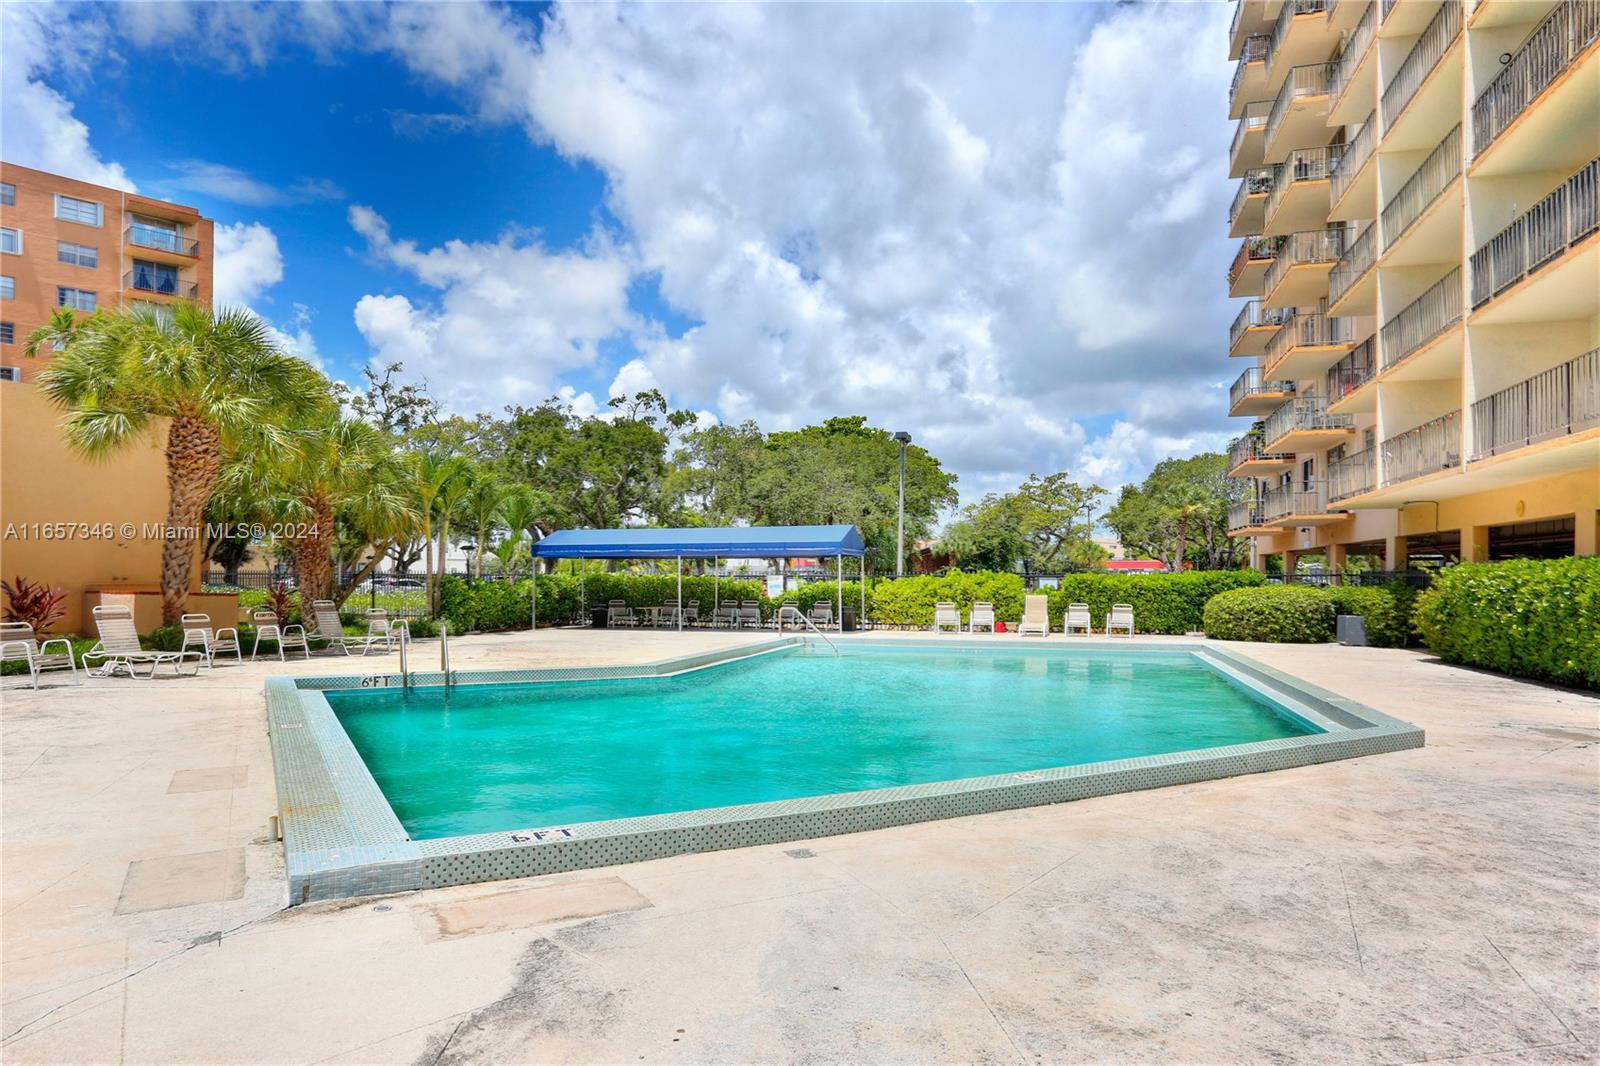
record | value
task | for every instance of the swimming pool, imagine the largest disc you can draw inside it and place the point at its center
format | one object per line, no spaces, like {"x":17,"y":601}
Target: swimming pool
{"x":388,"y":783}
{"x":801,"y":721}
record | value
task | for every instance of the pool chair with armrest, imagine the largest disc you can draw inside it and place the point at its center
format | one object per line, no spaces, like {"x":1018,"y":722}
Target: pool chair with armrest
{"x":200,"y":634}
{"x":118,"y":647}
{"x":1121,"y":617}
{"x":618,"y":613}
{"x":691,"y":613}
{"x":945,"y":616}
{"x":981,"y":617}
{"x":821,"y":614}
{"x":789,"y":615}
{"x":749,"y":614}
{"x":18,"y":643}
{"x":330,"y":627}
{"x":269,"y":627}
{"x":1077,"y":618}
{"x":1035,"y":616}
{"x":725,"y":614}
{"x":381,"y":628}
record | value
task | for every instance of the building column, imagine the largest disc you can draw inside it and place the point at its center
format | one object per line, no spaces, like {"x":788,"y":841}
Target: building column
{"x":1290,"y":558}
{"x":1394,"y":552}
{"x":1336,"y":558}
{"x":1586,"y":533}
{"x":1475,"y":544}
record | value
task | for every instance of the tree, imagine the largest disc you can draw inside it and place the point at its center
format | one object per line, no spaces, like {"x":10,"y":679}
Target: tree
{"x":209,"y":378}
{"x":1179,"y":513}
{"x":1045,"y":522}
{"x":430,"y":472}
{"x":388,"y":404}
{"x":484,"y":507}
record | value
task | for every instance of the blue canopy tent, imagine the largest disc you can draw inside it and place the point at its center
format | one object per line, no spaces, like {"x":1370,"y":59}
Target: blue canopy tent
{"x":737,"y":542}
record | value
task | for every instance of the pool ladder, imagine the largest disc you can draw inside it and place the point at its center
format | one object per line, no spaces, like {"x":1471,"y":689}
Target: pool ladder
{"x":813,"y":626}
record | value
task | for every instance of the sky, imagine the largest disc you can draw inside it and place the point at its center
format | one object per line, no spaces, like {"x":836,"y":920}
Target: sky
{"x":1000,"y":228}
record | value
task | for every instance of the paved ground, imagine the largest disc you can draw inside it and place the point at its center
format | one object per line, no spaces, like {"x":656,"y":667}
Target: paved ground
{"x":1441,"y":903}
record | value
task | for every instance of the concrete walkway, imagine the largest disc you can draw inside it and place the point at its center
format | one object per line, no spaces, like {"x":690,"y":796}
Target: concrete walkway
{"x":1434,"y":904}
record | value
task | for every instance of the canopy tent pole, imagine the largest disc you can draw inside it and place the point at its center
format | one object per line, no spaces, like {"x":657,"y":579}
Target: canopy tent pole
{"x":861,"y":571}
{"x":838,"y":570}
{"x":716,"y":587}
{"x":680,"y":594}
{"x":583,"y":589}
{"x":533,"y":609}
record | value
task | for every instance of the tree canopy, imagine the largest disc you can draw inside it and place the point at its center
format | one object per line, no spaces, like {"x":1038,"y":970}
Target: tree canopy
{"x":1179,"y":513}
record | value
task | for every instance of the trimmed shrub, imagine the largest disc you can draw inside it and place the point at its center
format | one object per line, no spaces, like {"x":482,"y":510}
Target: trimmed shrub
{"x":1162,"y":603}
{"x":910,"y":600}
{"x":1386,"y":608}
{"x":1277,"y":614}
{"x":1527,"y":617}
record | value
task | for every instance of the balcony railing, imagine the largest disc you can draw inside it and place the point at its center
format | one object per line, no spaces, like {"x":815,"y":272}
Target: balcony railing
{"x":1352,"y":372}
{"x":1256,"y":182}
{"x":164,"y":239}
{"x":1310,"y":80}
{"x":1254,"y":250}
{"x":1562,"y":400}
{"x":1548,"y":51}
{"x":1431,"y":447}
{"x":1254,"y":51}
{"x":1245,"y":515}
{"x":1355,"y":262}
{"x":1250,"y":383}
{"x":1423,"y":319}
{"x":1252,"y":315}
{"x":1355,"y":49}
{"x":1307,"y":331}
{"x":1432,"y":178}
{"x":1286,"y":16}
{"x":1308,"y":497}
{"x":1249,"y":447}
{"x":1388,"y":8}
{"x":1544,"y":231}
{"x":1302,"y":249}
{"x":144,"y":280}
{"x":1254,"y":118}
{"x":1303,"y":164}
{"x":1355,"y":156}
{"x":1420,"y":61}
{"x":1303,"y":413}
{"x":1353,"y":475}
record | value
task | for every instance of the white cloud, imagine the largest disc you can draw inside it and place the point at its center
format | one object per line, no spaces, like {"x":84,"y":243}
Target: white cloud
{"x":236,"y":186}
{"x":247,"y":262}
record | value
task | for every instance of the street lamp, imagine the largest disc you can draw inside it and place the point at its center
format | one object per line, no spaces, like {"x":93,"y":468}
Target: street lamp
{"x":900,"y":529}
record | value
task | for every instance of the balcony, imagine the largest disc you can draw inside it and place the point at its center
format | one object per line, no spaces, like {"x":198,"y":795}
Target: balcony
{"x":1558,"y":44}
{"x":1353,"y":185}
{"x":1251,"y":264}
{"x":1352,"y":286}
{"x":1559,"y":402}
{"x":1299,"y":504}
{"x":1427,"y":449}
{"x":157,"y":239}
{"x":1299,"y":36}
{"x":1541,"y":239}
{"x":1433,"y":191}
{"x":1246,"y":519}
{"x":1352,"y":476}
{"x":1247,"y":458}
{"x":160,"y":283}
{"x":1249,"y":75}
{"x":1248,"y":21}
{"x":1423,"y":338}
{"x":1250,"y":395}
{"x":1299,"y":197}
{"x":1355,"y":91}
{"x":1249,"y":208}
{"x":1300,"y":112}
{"x":1349,"y":376}
{"x":1405,"y":18}
{"x":1415,"y":102}
{"x":1305,"y":424}
{"x":1298,"y":274}
{"x":1254,"y":326}
{"x":1245,"y":153}
{"x":1307,"y":345}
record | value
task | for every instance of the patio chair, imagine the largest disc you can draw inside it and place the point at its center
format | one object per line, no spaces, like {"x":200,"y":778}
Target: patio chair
{"x":667,"y":617}
{"x":1077,"y":617}
{"x":1035,"y":616}
{"x":1121,"y":617}
{"x":789,"y":613}
{"x":380,"y":627}
{"x":198,"y":632}
{"x":725,"y":614}
{"x":330,"y":627}
{"x":18,"y":643}
{"x":118,"y":647}
{"x":981,"y":615}
{"x":749,"y":614}
{"x":822,"y":614}
{"x":268,"y":627}
{"x":618,"y":613}
{"x":691,"y":613}
{"x":945,"y":616}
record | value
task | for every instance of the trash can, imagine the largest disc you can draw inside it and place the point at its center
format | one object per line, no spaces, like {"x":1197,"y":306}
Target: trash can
{"x":598,"y":616}
{"x":1351,"y":630}
{"x":847,"y":620}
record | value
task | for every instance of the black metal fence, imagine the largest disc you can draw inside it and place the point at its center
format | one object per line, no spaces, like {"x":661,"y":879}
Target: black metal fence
{"x":1417,"y":579}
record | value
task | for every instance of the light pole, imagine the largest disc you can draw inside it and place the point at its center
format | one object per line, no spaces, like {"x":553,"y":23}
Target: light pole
{"x":900,"y":528}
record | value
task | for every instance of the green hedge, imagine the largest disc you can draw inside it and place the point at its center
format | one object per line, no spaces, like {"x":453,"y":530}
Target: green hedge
{"x":1279,"y":614}
{"x":1527,"y":617}
{"x":1162,"y":603}
{"x":910,"y":600}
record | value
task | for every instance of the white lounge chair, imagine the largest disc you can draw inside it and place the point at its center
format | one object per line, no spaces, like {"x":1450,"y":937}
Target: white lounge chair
{"x":618,"y":613}
{"x":691,"y":613}
{"x":330,"y":627}
{"x":725,"y":614}
{"x":945,"y":616}
{"x":789,"y":614}
{"x":1077,"y":617}
{"x":380,"y":627}
{"x":1035,"y":616}
{"x":749,"y":614}
{"x":981,"y":616}
{"x":18,"y":643}
{"x":1121,"y":617}
{"x":118,"y":647}
{"x":268,"y":627}
{"x":198,"y":632}
{"x":821,"y":614}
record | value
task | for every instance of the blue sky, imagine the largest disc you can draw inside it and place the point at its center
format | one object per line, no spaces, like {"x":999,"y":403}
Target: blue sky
{"x":991,"y":226}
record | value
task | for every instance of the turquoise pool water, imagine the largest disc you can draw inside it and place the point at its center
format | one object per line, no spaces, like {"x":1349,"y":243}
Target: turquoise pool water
{"x":486,"y":758}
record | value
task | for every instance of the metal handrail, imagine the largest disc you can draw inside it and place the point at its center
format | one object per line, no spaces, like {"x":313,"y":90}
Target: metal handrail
{"x":405,"y":670}
{"x":1563,"y":218}
{"x":1312,"y":79}
{"x":1253,"y":249}
{"x":145,"y":236}
{"x":1254,"y":118}
{"x":1286,"y":17}
{"x":444,"y":652}
{"x":1302,"y":412}
{"x":1550,"y":49}
{"x":1356,"y":153}
{"x":1242,"y":515}
{"x":1356,"y":260}
{"x":1425,"y":54}
{"x":1302,"y":164}
{"x":144,"y":280}
{"x":804,"y":618}
{"x":1423,"y":319}
{"x":1562,"y":400}
{"x":1355,"y":50}
{"x":1351,"y":372}
{"x":1353,"y":475}
{"x":1307,"y":331}
{"x":1308,"y":497}
{"x":1433,"y":177}
{"x":1250,"y":447}
{"x":1302,"y":249}
{"x":1257,"y":181}
{"x":1433,"y":446}
{"x":1251,"y":383}
{"x":1254,"y":51}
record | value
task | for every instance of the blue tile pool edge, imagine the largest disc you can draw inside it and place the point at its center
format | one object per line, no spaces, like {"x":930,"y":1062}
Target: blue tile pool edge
{"x":342,"y":839}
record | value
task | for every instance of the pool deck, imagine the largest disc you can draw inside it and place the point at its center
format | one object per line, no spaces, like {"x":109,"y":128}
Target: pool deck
{"x":1439,"y":903}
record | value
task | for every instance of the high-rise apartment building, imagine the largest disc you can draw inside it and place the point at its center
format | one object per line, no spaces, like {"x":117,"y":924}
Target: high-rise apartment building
{"x":1419,"y":214}
{"x":64,"y":521}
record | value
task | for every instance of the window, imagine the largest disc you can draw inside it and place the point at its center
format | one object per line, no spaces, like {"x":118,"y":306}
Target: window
{"x":8,"y":194}
{"x":8,"y":333}
{"x":70,"y":209}
{"x":83,"y":255}
{"x":77,"y":299}
{"x":8,"y":287}
{"x":11,"y":241}
{"x":155,"y":277}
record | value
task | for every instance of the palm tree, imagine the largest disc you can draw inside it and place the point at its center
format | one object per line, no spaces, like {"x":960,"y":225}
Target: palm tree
{"x":1183,"y":514}
{"x":483,"y":508}
{"x":431,"y":471}
{"x":522,"y":512}
{"x":209,"y":378}
{"x":451,"y":505}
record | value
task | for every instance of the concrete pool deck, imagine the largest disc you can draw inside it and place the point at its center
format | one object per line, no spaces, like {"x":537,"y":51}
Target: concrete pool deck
{"x":1437,"y":903}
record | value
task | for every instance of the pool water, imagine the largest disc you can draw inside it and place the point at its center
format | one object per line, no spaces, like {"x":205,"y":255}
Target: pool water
{"x":487,"y":758}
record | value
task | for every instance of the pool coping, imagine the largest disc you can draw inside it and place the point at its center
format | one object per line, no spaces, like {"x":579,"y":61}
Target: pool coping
{"x":342,"y":839}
